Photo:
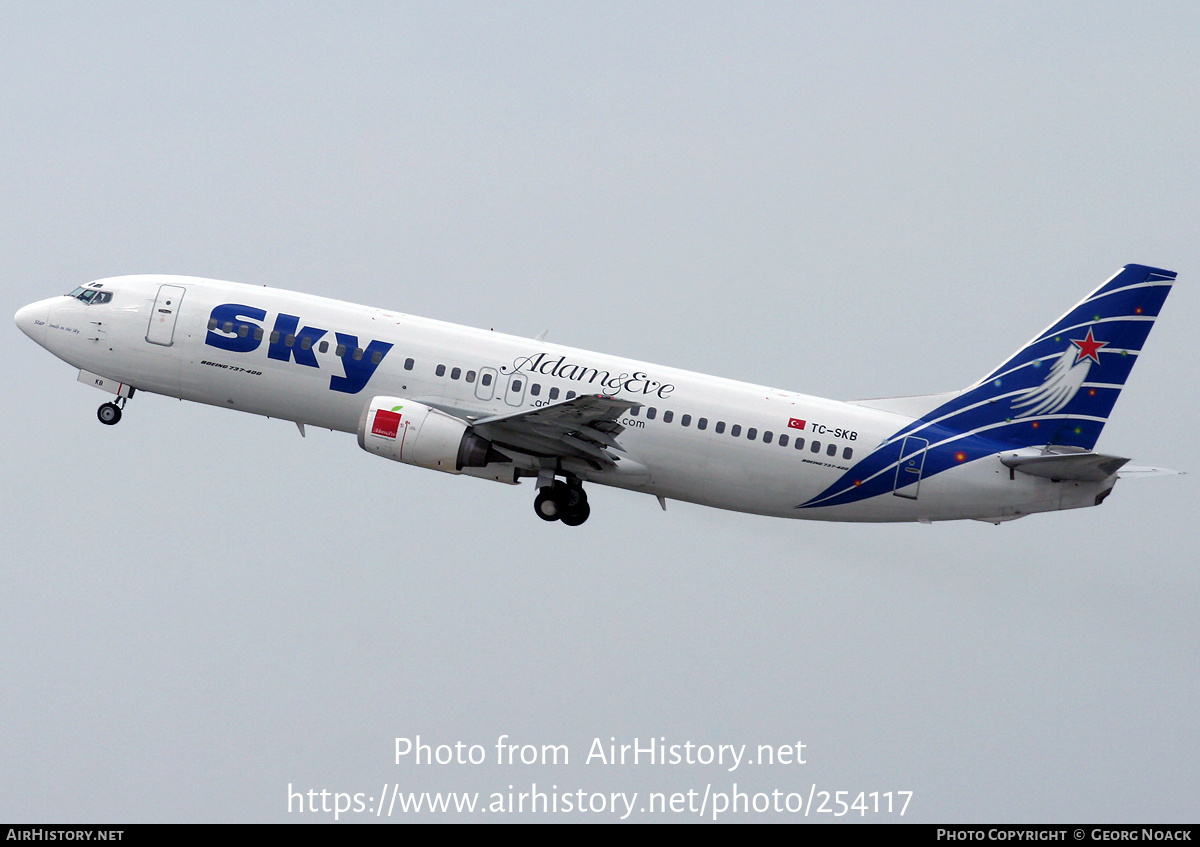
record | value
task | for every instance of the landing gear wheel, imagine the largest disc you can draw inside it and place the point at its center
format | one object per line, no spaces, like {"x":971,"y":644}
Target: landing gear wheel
{"x":571,"y":496}
{"x":562,"y":501}
{"x":109,"y":414}
{"x":575,"y":508}
{"x":578,"y":515}
{"x":547,"y":506}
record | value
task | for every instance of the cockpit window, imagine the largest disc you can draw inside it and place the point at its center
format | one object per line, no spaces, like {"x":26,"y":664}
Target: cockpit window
{"x":91,"y":296}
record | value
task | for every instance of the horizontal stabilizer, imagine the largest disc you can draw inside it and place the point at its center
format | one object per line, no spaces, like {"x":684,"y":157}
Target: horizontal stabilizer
{"x":1085,"y":467}
{"x":1144,"y":472}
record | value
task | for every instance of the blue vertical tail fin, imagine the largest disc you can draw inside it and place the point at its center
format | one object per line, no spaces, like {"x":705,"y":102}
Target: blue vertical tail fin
{"x":1060,"y":388}
{"x":1056,"y":391}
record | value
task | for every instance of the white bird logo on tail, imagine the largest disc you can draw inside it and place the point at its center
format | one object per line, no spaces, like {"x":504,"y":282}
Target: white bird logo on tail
{"x":1063,"y":382}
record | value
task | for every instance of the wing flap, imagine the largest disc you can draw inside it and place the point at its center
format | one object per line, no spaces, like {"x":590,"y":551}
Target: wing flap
{"x":583,"y":428}
{"x":578,"y":410}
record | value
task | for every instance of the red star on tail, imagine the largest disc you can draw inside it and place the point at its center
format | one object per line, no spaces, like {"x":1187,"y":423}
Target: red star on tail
{"x":1088,"y":348}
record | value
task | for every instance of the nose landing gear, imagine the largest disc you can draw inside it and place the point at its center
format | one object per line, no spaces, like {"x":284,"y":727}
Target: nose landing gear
{"x":563,"y":501}
{"x":110,"y":413}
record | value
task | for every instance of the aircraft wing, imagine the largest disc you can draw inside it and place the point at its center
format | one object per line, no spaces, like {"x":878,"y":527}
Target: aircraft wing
{"x":583,"y":428}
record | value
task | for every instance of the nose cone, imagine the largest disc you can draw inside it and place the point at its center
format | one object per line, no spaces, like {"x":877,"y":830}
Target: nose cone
{"x":32,"y":319}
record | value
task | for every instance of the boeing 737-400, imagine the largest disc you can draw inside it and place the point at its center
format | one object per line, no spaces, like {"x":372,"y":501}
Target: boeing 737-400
{"x":499,"y":407}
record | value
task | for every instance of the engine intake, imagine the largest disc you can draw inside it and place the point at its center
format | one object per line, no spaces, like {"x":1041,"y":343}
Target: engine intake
{"x":411,"y":432}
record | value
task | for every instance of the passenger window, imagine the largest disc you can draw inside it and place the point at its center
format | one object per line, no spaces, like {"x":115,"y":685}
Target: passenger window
{"x":570,"y":395}
{"x":535,"y":389}
{"x":668,"y":416}
{"x":816,"y":447}
{"x":291,"y":341}
{"x":767,"y":436}
{"x":358,"y":351}
{"x":376,"y":357}
{"x":212,"y":323}
{"x":228,"y":327}
{"x":323,"y":346}
{"x":408,"y":364}
{"x":686,"y":420}
{"x":456,"y":373}
{"x":243,"y":330}
{"x":258,"y":334}
{"x":305,"y":343}
{"x":553,"y":393}
{"x":799,"y":443}
{"x":274,"y":336}
{"x":651,"y":413}
{"x":441,"y":370}
{"x":340,"y":352}
{"x":720,"y":427}
{"x":831,"y":450}
{"x":783,"y":440}
{"x":702,"y":423}
{"x":470,"y":376}
{"x":516,"y":385}
{"x":735,"y":430}
{"x":847,"y":453}
{"x":752,"y":433}
{"x":487,"y":379}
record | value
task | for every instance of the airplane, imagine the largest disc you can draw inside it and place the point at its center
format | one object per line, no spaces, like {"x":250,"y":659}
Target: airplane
{"x":505,"y":408}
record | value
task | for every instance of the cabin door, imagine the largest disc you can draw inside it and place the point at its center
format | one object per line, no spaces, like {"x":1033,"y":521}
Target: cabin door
{"x":908,"y":471}
{"x":166,"y":311}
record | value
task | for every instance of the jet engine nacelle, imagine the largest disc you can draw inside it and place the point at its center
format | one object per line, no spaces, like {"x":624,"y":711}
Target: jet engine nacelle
{"x":411,"y":432}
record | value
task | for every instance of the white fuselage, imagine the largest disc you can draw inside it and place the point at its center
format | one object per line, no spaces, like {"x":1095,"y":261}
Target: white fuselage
{"x":429,"y":362}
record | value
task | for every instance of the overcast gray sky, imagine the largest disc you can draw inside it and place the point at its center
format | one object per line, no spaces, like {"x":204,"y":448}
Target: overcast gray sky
{"x":198,"y":608}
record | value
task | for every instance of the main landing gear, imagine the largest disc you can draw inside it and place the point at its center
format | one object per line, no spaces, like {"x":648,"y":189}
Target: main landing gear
{"x":563,"y":501}
{"x":110,"y":413}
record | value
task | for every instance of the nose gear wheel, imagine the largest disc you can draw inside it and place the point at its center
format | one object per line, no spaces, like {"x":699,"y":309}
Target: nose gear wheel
{"x":109,"y":414}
